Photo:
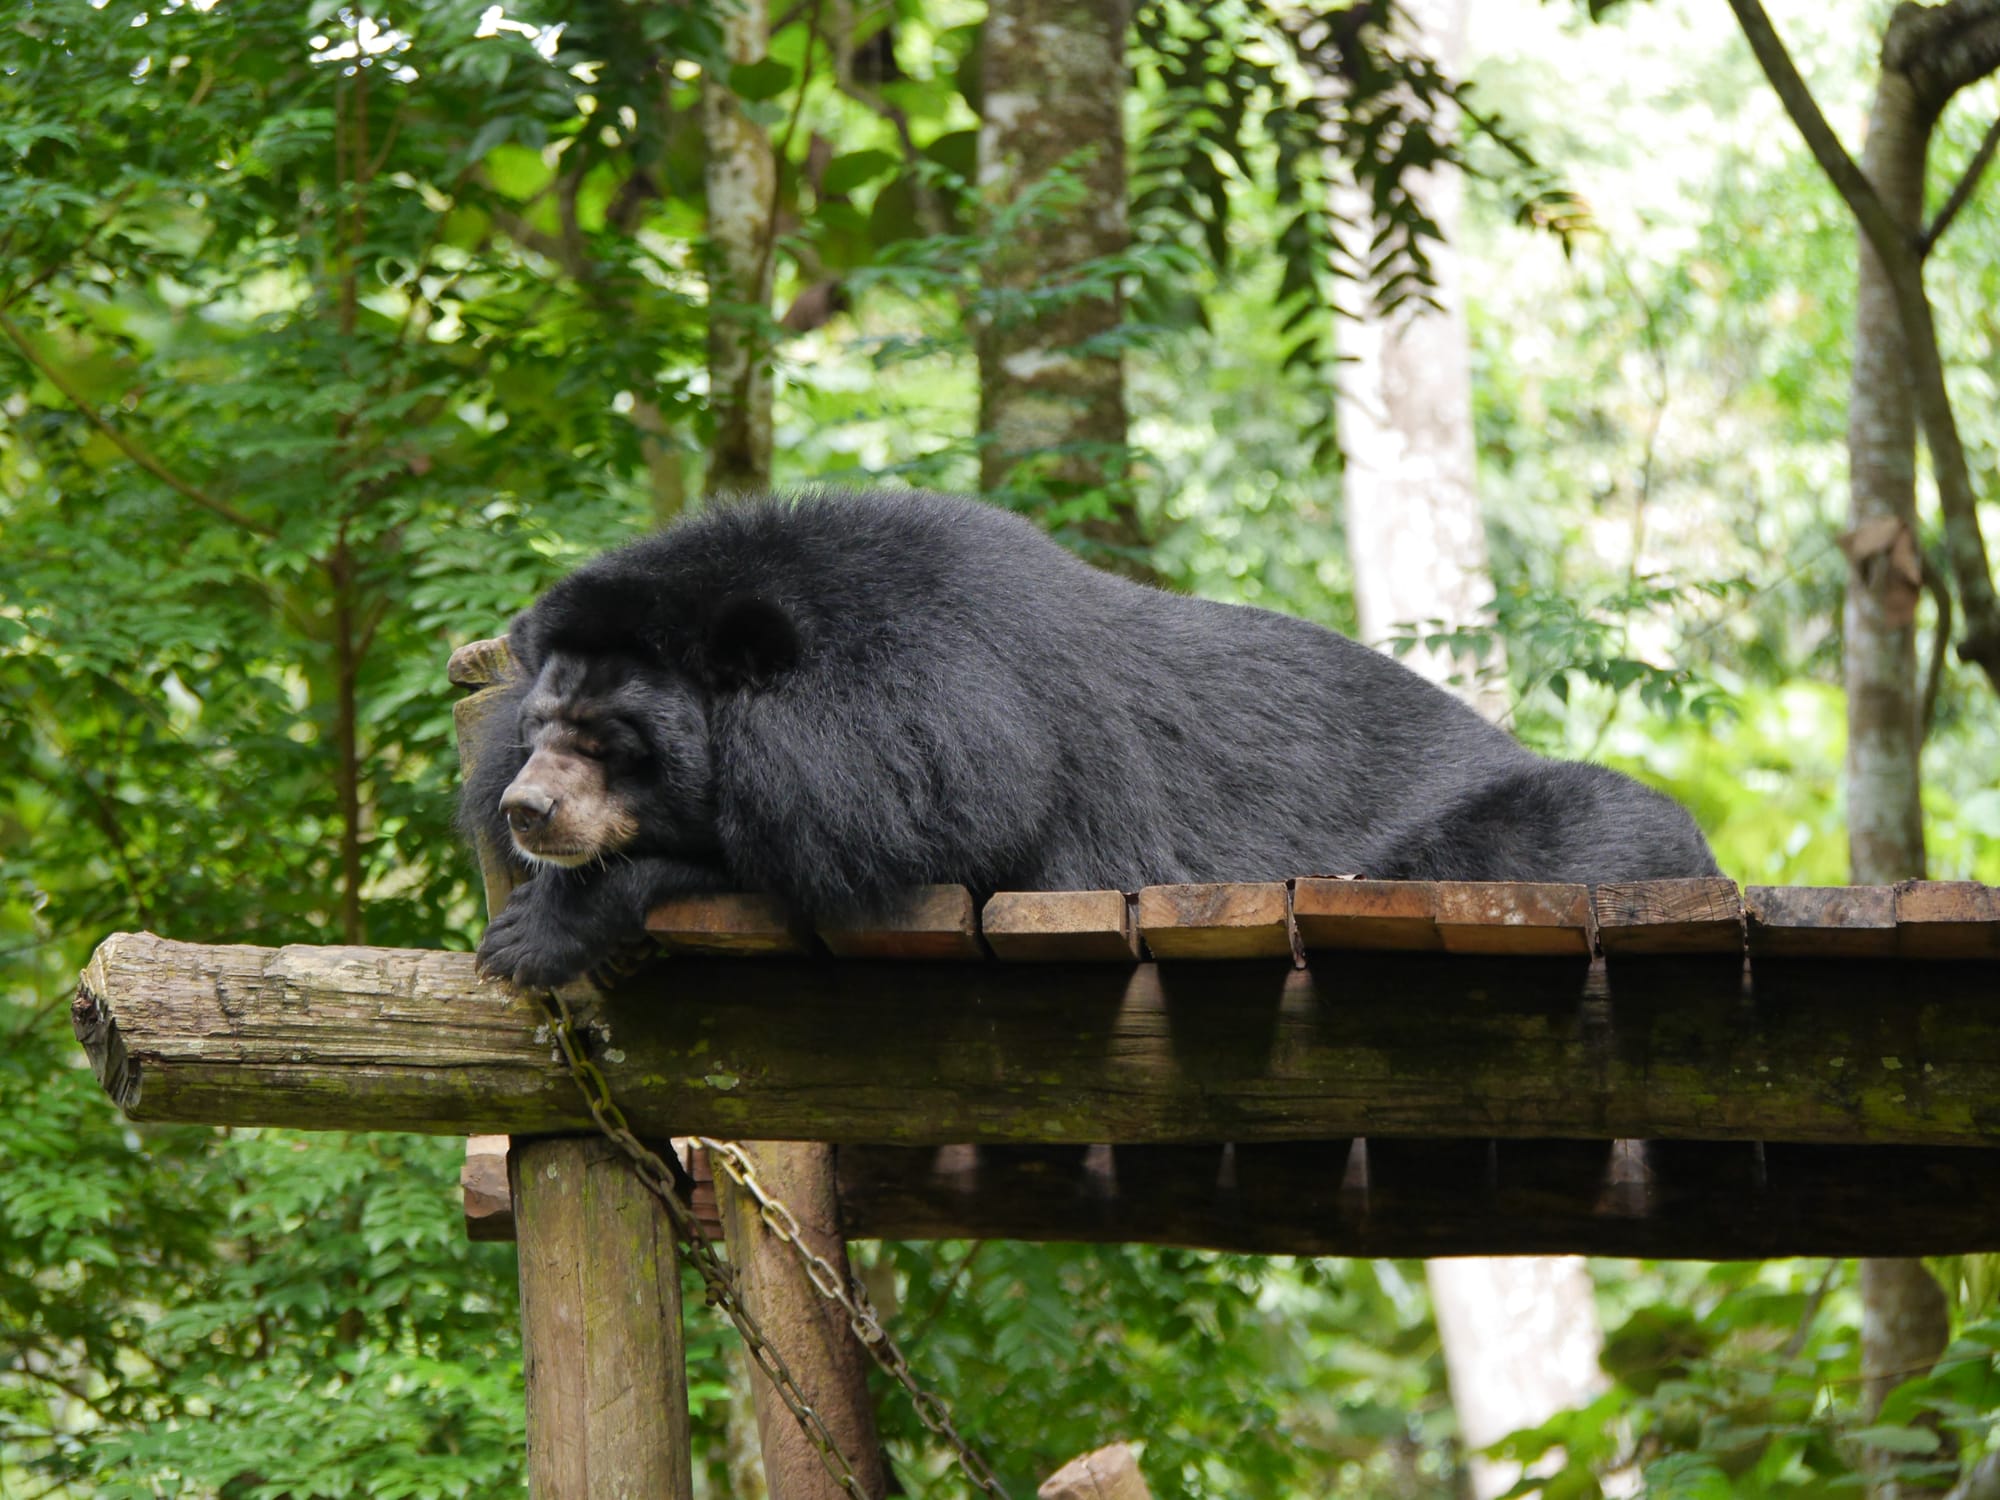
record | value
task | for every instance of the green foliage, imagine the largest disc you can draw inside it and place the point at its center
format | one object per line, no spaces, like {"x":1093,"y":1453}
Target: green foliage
{"x":331,"y":336}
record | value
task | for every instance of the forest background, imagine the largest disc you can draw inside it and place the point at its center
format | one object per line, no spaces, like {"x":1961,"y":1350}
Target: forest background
{"x":332,"y":334}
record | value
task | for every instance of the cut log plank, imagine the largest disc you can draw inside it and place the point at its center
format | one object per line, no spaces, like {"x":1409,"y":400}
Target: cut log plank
{"x":1506,"y":917}
{"x":1050,"y":926}
{"x":929,"y":922}
{"x":1216,"y":921}
{"x":1367,"y":914}
{"x":1669,"y":916}
{"x":479,"y":664}
{"x":1947,"y":919}
{"x":489,"y":1202}
{"x":1390,"y":1044}
{"x":742,"y":923}
{"x":1856,"y":921}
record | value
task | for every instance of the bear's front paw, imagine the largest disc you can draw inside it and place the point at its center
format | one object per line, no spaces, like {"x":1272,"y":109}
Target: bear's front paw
{"x":529,"y":945}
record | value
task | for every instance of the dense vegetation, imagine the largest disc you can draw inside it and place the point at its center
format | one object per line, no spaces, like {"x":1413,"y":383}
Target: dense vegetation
{"x":328,"y":335}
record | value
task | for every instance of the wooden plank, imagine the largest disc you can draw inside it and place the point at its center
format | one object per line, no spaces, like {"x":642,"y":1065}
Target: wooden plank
{"x":928,"y":922}
{"x":1947,"y":919}
{"x":489,"y":1201}
{"x":1390,"y":1044}
{"x":1366,"y":914}
{"x":1854,"y":921}
{"x":1216,"y":921}
{"x":1700,"y":1201}
{"x":734,"y":923}
{"x":600,"y":1327}
{"x":1669,"y":916}
{"x":1048,"y":926}
{"x":1507,"y":917}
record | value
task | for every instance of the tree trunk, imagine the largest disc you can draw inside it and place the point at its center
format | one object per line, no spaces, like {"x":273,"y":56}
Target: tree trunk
{"x":1904,"y":1322}
{"x":1885,"y":830}
{"x":740,"y":177}
{"x":1051,"y":417}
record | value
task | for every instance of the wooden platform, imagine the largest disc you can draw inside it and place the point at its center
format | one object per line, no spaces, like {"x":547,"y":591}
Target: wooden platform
{"x":1315,"y":1065}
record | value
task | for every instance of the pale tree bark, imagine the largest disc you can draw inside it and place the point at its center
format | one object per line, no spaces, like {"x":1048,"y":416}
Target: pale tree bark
{"x":1404,"y":412}
{"x":740,"y":177}
{"x":1051,"y":415}
{"x":1521,"y":1335}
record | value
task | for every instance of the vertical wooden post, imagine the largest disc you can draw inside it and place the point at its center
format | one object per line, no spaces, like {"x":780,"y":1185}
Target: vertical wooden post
{"x":600,"y":1328}
{"x":811,"y":1332}
{"x":606,"y":1370}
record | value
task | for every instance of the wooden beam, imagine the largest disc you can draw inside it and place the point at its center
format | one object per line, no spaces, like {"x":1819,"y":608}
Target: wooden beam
{"x":600,"y":1327}
{"x":1380,"y":915}
{"x":1409,"y":1199}
{"x":1359,"y":1044}
{"x":1821,"y":921}
{"x":489,"y":1199}
{"x":1504,"y":917}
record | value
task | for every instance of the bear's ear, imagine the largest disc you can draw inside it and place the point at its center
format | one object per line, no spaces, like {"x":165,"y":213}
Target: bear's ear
{"x":751,"y":642}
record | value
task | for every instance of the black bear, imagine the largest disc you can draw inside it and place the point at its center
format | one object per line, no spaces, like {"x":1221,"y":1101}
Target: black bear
{"x":836,"y":696}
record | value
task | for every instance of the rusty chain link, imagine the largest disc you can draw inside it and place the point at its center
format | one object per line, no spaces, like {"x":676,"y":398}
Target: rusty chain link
{"x":719,"y":1277}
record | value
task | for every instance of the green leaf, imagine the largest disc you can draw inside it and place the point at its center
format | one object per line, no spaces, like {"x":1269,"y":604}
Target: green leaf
{"x":756,"y":81}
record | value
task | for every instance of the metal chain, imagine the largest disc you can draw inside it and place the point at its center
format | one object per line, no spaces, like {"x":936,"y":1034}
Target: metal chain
{"x":717,"y":1276}
{"x":861,"y":1314}
{"x":720,"y":1278}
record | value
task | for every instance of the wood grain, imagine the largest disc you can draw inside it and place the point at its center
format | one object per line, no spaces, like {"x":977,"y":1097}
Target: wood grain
{"x":1857,"y":921}
{"x":929,"y":922}
{"x":1386,"y":1044}
{"x":1504,"y":917}
{"x":734,"y":923}
{"x":1054,"y":926}
{"x":1388,"y":915}
{"x":1947,"y":919}
{"x":1216,"y":921}
{"x":600,"y":1327}
{"x":1669,"y":916}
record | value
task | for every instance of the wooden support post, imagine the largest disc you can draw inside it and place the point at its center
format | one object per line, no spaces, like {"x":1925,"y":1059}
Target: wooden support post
{"x":1108,"y":1474}
{"x":811,"y":1332}
{"x":600,"y":1328}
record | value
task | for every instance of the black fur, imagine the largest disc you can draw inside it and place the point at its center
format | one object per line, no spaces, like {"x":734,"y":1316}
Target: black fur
{"x":846,"y":694}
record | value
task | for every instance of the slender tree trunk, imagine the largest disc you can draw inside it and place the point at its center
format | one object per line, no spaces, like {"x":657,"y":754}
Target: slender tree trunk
{"x":1885,"y":829}
{"x":1051,"y":416}
{"x":1520,"y":1333}
{"x":740,"y":175}
{"x":1904,"y":1321}
{"x":1404,"y":411}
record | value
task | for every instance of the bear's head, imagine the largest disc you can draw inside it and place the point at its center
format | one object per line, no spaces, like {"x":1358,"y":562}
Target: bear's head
{"x":611,"y":727}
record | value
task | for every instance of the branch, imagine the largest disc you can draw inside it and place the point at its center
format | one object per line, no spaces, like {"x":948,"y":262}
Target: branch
{"x":1884,"y":234}
{"x":1898,"y":250}
{"x":1962,"y":190}
{"x":129,"y":446}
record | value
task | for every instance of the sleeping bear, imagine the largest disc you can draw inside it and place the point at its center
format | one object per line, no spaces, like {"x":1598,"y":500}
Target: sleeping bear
{"x":836,"y":696}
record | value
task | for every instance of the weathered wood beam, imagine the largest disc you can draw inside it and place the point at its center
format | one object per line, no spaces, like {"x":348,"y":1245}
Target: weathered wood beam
{"x":1404,"y":1198}
{"x":1410,"y":1044}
